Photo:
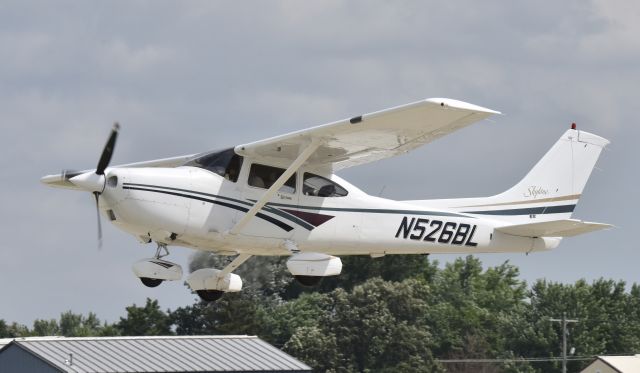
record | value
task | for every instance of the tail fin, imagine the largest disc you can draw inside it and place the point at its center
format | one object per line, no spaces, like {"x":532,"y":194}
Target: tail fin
{"x":550,"y":191}
{"x":562,"y":173}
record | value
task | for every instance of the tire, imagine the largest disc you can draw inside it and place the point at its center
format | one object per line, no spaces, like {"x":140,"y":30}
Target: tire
{"x":150,"y":282}
{"x":210,"y":295}
{"x":308,"y":281}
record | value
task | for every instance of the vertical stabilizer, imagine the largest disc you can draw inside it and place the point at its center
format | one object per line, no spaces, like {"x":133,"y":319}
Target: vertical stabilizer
{"x":562,"y":173}
{"x":550,"y":191}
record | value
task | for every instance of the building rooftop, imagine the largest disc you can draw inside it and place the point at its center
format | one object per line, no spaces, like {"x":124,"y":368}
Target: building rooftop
{"x":159,"y":354}
{"x":630,"y":363}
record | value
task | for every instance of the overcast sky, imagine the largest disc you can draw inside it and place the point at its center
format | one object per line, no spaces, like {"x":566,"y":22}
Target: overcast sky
{"x":184,"y":77}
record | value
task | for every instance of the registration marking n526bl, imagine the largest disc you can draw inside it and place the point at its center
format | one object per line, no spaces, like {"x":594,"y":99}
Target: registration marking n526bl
{"x":420,"y":229}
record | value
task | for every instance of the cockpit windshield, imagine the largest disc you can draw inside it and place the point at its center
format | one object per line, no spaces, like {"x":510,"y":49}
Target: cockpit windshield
{"x":225,"y":163}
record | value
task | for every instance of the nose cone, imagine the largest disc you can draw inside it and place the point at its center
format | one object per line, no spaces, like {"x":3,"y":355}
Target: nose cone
{"x":89,"y":181}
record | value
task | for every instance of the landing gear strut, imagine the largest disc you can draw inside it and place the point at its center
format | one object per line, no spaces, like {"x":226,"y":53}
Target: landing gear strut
{"x":161,"y":251}
{"x":153,"y":271}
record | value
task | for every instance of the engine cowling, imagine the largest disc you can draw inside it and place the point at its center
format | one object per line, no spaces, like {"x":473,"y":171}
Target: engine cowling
{"x":157,"y":269}
{"x":210,"y":279}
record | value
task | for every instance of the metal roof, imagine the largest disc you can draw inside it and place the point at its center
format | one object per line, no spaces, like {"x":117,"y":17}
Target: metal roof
{"x":161,"y":354}
{"x":623,"y":363}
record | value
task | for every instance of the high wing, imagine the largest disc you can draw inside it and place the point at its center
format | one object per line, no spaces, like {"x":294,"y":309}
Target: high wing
{"x":61,"y":180}
{"x":371,"y":137}
{"x":345,"y":143}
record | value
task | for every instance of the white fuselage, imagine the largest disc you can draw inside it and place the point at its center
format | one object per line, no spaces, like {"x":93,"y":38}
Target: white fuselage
{"x":196,"y":208}
{"x":279,"y":196}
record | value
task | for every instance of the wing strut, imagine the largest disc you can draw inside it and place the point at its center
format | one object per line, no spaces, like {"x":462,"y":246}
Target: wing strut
{"x":310,"y":149}
{"x":237,"y":262}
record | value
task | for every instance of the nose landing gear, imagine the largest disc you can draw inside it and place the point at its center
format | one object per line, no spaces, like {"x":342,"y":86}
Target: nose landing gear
{"x":153,"y":271}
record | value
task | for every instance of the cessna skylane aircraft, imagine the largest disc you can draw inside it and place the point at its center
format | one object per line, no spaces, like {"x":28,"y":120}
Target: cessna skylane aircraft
{"x":280,"y":196}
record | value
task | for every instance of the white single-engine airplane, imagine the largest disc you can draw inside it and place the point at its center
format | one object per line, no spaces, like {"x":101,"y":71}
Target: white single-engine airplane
{"x":280,"y":196}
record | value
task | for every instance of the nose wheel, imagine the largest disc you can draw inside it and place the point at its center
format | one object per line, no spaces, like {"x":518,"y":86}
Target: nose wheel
{"x":153,"y":271}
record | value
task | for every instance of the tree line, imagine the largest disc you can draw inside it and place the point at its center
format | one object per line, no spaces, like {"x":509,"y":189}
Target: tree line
{"x":393,"y":314}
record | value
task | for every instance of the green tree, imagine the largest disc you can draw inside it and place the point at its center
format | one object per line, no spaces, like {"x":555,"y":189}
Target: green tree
{"x":316,"y":348}
{"x":608,"y":318}
{"x":77,"y":325}
{"x":377,"y":326}
{"x":13,"y":330}
{"x":45,"y":327}
{"x":475,"y":313}
{"x":18,"y":330}
{"x":109,"y":330}
{"x":284,"y":319}
{"x":147,"y":320}
{"x":393,"y":314}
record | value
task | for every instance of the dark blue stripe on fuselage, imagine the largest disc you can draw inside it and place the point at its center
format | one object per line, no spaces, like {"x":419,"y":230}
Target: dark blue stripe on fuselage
{"x":290,"y":217}
{"x":371,"y":211}
{"x":528,"y":211}
{"x":316,"y":208}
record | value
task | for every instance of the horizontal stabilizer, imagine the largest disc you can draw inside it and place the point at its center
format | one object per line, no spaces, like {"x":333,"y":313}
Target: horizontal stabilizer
{"x":555,"y":228}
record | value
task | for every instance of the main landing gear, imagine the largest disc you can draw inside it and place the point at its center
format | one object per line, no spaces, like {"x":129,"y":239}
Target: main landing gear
{"x":310,"y":268}
{"x":210,"y":284}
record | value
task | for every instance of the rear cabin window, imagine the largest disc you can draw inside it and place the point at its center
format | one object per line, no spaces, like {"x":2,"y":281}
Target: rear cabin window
{"x":261,"y":176}
{"x":225,"y":163}
{"x":318,"y":186}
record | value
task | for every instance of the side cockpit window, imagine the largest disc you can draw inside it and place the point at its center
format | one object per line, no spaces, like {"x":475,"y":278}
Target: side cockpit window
{"x":225,"y":163}
{"x":261,"y":176}
{"x":318,"y":186}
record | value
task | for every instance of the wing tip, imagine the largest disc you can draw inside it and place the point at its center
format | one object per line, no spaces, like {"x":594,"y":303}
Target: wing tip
{"x":457,"y":104}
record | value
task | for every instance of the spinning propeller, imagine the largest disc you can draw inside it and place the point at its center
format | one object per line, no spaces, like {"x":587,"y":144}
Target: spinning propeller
{"x":95,"y":181}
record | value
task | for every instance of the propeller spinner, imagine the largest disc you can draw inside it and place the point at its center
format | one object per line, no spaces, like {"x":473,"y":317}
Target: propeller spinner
{"x":95,"y":181}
